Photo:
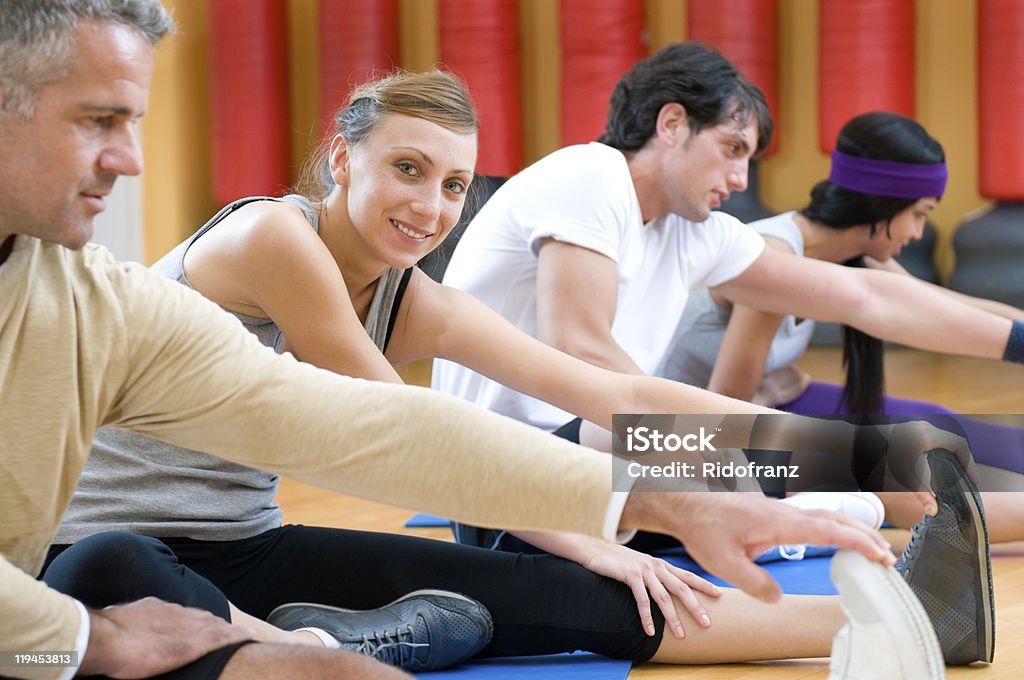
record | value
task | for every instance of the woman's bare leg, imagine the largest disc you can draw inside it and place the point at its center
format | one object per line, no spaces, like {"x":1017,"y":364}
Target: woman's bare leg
{"x":1004,"y":514}
{"x":745,"y":629}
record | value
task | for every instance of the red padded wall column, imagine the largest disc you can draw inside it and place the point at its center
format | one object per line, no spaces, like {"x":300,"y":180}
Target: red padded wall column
{"x":249,"y":98}
{"x":1001,"y":98}
{"x":357,"y":39}
{"x":480,"y":43}
{"x":990,"y":246}
{"x":866,"y":53}
{"x":747,"y":32}
{"x":600,"y":42}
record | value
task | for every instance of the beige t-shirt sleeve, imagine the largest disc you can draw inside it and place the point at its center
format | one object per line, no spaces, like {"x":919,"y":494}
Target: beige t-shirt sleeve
{"x":35,"y":618}
{"x":195,"y":378}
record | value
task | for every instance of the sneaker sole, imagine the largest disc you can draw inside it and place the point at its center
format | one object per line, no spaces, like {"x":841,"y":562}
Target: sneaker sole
{"x":887,"y":593}
{"x":966,"y":486}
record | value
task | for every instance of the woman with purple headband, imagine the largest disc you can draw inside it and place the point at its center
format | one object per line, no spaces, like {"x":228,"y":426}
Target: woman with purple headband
{"x":887,"y":175}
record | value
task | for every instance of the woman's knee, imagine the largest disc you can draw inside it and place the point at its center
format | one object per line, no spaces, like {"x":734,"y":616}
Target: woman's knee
{"x":111,"y":568}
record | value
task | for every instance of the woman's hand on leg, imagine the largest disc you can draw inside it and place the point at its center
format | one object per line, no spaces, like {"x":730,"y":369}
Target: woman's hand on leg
{"x":650,"y":578}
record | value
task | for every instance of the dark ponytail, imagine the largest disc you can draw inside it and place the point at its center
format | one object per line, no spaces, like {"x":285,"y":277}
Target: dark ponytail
{"x":864,"y":361}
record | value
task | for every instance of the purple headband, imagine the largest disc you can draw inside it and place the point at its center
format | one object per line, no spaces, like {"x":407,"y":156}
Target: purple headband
{"x":888,"y":178}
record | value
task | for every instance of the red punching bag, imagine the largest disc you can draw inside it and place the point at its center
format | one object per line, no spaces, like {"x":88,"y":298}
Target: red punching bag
{"x":249,"y":98}
{"x":480,"y":43}
{"x":866,"y":61}
{"x":1001,"y":98}
{"x":747,"y":32}
{"x":358,"y":39}
{"x":600,"y":42}
{"x":989,"y":245}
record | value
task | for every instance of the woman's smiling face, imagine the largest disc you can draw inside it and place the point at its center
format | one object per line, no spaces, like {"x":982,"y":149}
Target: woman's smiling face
{"x":405,"y":185}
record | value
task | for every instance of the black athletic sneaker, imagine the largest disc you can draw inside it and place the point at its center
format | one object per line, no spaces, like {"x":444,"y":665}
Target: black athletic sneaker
{"x":947,"y":565}
{"x":424,"y":631}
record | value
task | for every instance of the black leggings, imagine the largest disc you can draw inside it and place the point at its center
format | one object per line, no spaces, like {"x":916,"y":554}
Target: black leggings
{"x":499,"y":539}
{"x":540,"y":604}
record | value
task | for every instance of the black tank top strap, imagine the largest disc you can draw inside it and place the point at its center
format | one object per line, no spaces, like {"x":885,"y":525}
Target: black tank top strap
{"x":399,"y":294}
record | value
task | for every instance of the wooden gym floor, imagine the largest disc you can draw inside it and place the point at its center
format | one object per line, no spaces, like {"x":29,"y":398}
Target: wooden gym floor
{"x":965,"y":385}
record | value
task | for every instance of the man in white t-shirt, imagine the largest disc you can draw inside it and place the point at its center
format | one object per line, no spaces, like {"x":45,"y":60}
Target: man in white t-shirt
{"x":595,"y":248}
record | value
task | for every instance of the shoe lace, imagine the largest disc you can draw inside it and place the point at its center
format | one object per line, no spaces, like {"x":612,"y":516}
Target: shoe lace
{"x":911,"y":552}
{"x":394,"y":648}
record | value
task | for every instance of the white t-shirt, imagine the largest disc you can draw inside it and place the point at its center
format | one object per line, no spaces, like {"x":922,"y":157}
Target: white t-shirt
{"x":584,"y":195}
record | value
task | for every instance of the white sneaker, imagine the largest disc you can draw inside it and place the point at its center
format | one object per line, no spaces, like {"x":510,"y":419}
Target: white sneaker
{"x":888,"y":635}
{"x":862,"y":506}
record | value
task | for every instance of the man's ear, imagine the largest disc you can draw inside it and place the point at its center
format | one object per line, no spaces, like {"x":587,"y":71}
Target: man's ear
{"x":338,"y":160}
{"x":672,"y":125}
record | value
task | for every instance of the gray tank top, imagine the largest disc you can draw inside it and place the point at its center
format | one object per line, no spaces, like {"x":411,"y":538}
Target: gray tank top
{"x":142,"y":485}
{"x":694,"y":348}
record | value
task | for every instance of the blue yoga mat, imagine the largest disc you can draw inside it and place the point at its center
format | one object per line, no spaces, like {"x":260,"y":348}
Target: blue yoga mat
{"x":809,"y":576}
{"x":422,"y":519}
{"x":579,"y":666}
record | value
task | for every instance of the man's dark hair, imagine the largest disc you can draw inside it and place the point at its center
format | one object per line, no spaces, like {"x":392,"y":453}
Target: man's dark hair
{"x":693,"y":74}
